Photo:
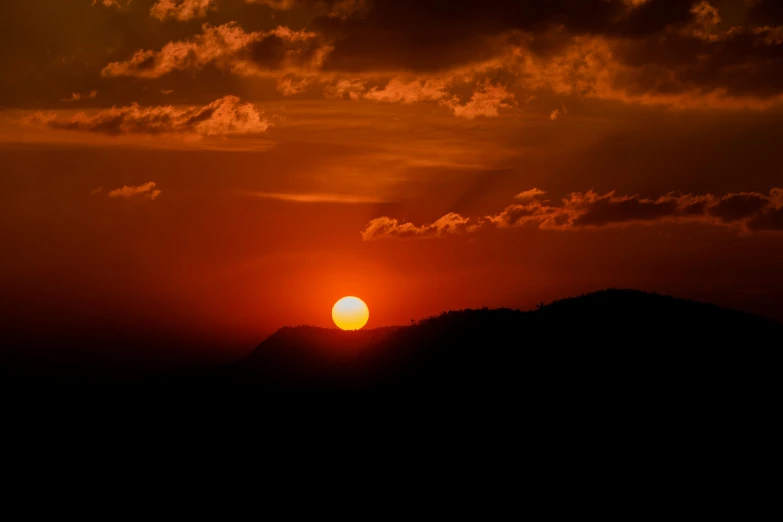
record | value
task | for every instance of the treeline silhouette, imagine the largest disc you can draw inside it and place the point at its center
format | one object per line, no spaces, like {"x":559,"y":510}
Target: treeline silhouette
{"x":611,"y":344}
{"x":607,"y":340}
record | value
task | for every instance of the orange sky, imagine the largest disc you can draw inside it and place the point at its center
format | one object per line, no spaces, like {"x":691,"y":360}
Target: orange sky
{"x":205,"y":172}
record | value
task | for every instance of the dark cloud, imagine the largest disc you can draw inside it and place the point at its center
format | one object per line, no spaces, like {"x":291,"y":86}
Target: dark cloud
{"x":766,"y":12}
{"x":735,"y":207}
{"x":770,"y":219}
{"x":771,"y":216}
{"x":438,"y":34}
{"x":747,"y":61}
{"x":605,"y":211}
{"x":670,"y":52}
{"x":678,"y":53}
{"x":269,"y":50}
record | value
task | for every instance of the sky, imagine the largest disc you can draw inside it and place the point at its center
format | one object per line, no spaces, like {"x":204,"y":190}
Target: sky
{"x":181,"y":178}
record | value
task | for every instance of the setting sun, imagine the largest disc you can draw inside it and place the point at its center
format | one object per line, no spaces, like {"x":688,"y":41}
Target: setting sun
{"x":350,"y":313}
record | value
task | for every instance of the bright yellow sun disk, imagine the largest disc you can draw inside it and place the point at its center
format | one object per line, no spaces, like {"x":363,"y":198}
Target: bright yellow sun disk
{"x":350,"y":313}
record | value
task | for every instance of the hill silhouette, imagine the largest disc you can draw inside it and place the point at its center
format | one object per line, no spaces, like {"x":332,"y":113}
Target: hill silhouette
{"x":611,"y":344}
{"x":612,"y":339}
{"x":615,"y":371}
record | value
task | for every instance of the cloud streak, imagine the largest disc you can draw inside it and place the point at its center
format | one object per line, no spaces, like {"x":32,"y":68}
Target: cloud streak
{"x":745,"y":211}
{"x":384,"y":227}
{"x":279,"y":5}
{"x":317,"y":198}
{"x":145,"y":191}
{"x":224,"y":117}
{"x":76,"y":96}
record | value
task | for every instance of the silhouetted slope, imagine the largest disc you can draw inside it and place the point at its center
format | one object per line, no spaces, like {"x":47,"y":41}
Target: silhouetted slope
{"x":297,"y":355}
{"x":612,"y":339}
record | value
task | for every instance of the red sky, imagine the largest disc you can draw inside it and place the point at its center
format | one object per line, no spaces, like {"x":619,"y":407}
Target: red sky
{"x":206,"y":171}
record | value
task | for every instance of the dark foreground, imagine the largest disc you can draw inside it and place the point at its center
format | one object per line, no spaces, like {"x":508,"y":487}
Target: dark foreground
{"x":618,"y":399}
{"x":615,"y":345}
{"x":646,"y":381}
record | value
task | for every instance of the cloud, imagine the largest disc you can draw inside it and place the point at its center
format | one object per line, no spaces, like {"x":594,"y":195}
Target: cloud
{"x":340,"y":9}
{"x":485,"y":98}
{"x":110,"y":3}
{"x":228,"y":46}
{"x":385,"y":227}
{"x":280,"y":5}
{"x":771,"y":216}
{"x":450,"y":34}
{"x":223,"y":117}
{"x":291,"y":84}
{"x":555,"y":114}
{"x":344,"y":9}
{"x":735,"y":207}
{"x":411,"y":91}
{"x":529,"y":194}
{"x":317,"y":198}
{"x":766,"y":12}
{"x":485,"y":101}
{"x":674,"y":53}
{"x":591,"y":210}
{"x":181,"y":10}
{"x":146,"y":191}
{"x":744,"y":211}
{"x":659,"y":52}
{"x":75,"y":96}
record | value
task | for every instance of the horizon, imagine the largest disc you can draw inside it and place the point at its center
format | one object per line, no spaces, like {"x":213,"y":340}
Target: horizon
{"x":181,"y":179}
{"x":126,"y":365}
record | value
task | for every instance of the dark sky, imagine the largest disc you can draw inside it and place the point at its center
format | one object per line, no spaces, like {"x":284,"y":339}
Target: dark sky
{"x":202,"y":172}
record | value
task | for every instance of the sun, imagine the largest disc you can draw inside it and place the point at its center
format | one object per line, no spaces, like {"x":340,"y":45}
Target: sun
{"x":350,"y":313}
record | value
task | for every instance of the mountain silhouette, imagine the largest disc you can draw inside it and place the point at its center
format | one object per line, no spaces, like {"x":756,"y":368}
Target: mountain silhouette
{"x":617,"y":340}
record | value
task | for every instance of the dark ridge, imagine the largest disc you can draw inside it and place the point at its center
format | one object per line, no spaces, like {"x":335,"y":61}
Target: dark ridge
{"x":607,"y":346}
{"x":610,"y":373}
{"x":614,"y":337}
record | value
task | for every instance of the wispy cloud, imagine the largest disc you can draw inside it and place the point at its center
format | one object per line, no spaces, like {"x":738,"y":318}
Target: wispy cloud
{"x":555,"y":114}
{"x":146,"y":191}
{"x":226,"y":116}
{"x":110,"y":3}
{"x":350,"y":199}
{"x":181,"y":10}
{"x":76,"y":96}
{"x":384,"y":227}
{"x":280,"y":5}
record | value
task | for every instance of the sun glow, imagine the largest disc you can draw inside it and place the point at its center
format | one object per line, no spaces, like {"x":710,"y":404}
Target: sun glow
{"x":350,"y":313}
